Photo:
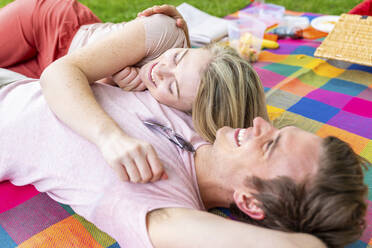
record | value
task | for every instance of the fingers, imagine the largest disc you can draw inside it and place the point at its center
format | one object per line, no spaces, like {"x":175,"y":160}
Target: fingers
{"x":164,"y":176}
{"x":129,"y":79}
{"x":121,"y":172}
{"x":132,"y":84}
{"x":165,"y":9}
{"x":147,"y":12}
{"x":135,"y":84}
{"x":141,"y":87}
{"x":132,"y":159}
{"x":156,"y":166}
{"x":168,"y":10}
{"x":132,"y":171}
{"x":121,"y":74}
{"x":143,"y":166}
{"x":181,"y":23}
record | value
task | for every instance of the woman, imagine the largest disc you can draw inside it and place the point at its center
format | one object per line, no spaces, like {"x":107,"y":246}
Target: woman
{"x":212,"y":82}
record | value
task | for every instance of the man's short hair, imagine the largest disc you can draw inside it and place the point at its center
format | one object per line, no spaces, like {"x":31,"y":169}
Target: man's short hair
{"x":331,"y":205}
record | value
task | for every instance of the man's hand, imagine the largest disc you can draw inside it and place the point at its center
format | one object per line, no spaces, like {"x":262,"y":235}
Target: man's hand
{"x":171,"y":11}
{"x":128,"y":79}
{"x":134,"y":160}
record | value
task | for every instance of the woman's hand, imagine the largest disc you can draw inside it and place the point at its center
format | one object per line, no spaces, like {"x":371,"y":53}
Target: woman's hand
{"x":128,"y":79}
{"x":132,"y":159}
{"x":171,"y":11}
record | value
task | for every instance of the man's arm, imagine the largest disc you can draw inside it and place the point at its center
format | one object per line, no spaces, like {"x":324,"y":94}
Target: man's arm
{"x":186,"y":228}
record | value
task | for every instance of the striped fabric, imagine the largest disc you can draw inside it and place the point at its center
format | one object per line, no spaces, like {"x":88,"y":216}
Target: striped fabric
{"x":323,"y":97}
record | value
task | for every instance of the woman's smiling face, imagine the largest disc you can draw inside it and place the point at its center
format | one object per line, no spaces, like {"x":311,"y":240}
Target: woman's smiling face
{"x":173,"y":78}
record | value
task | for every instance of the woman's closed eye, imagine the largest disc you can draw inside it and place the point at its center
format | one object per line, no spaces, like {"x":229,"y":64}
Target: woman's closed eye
{"x":177,"y":57}
{"x":173,"y":88}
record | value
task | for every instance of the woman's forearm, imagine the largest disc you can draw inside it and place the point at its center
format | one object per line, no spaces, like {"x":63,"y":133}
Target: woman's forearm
{"x":70,"y":97}
{"x":66,"y":82}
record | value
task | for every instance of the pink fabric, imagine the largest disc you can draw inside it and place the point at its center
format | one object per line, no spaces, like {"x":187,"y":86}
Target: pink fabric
{"x":360,"y":107}
{"x":38,"y":32}
{"x":11,"y":196}
{"x":36,"y":148}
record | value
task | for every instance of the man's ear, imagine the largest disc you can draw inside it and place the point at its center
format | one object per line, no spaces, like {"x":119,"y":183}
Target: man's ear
{"x":249,"y":205}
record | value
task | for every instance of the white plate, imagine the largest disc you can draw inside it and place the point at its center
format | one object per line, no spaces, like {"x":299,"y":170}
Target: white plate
{"x":324,"y":23}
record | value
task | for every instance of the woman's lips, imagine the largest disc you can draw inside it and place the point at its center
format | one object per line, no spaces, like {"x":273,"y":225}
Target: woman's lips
{"x":150,"y":74}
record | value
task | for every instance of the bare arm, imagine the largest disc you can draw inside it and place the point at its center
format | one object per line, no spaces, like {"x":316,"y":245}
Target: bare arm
{"x":66,"y":86}
{"x":186,"y":228}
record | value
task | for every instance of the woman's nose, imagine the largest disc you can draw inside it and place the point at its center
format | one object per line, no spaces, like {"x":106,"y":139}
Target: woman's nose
{"x":168,"y":60}
{"x":163,"y":71}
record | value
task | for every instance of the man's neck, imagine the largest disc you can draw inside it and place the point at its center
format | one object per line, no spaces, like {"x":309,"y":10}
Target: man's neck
{"x":212,"y":180}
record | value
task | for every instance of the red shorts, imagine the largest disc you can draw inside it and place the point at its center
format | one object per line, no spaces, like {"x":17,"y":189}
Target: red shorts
{"x":34,"y":33}
{"x":364,"y":8}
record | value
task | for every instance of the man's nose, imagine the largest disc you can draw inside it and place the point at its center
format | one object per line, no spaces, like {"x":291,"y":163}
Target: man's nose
{"x":260,"y":126}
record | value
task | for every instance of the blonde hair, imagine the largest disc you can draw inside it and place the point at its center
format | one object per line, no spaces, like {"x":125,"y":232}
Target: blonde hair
{"x":230,"y":94}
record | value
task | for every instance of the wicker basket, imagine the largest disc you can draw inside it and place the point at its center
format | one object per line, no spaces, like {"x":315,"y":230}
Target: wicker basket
{"x":350,"y":40}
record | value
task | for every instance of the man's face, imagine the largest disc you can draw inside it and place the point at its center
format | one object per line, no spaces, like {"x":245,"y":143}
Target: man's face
{"x":267,"y":152}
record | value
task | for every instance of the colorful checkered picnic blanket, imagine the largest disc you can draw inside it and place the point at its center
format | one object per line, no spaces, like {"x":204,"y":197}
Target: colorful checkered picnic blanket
{"x":323,"y":97}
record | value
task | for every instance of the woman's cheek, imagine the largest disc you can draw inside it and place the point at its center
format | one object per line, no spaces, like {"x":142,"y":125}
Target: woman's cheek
{"x":163,"y":98}
{"x":157,"y":95}
{"x":166,"y":99}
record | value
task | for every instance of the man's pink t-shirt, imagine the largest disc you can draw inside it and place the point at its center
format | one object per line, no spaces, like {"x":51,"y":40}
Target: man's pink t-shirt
{"x":36,"y":148}
{"x":161,"y":34}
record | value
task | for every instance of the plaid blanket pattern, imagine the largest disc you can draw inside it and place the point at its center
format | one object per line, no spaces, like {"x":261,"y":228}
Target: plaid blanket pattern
{"x":323,"y":97}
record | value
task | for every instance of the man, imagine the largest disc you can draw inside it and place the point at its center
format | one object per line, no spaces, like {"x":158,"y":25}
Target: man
{"x":285,"y":179}
{"x":305,"y":184}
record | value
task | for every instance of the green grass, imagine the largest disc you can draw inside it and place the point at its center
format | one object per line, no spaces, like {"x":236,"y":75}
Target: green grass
{"x":124,"y":10}
{"x":330,"y":7}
